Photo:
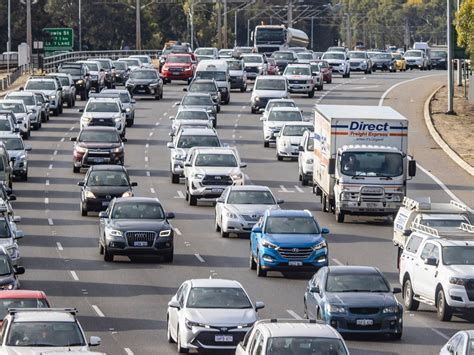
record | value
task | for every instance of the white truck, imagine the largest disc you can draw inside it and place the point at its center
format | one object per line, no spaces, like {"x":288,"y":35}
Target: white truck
{"x":360,"y":164}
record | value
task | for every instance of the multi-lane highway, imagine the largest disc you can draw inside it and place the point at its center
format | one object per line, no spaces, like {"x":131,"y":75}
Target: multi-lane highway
{"x":125,"y":302}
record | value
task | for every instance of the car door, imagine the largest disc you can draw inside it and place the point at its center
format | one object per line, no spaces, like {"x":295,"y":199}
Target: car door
{"x":313,"y":300}
{"x":220,"y":203}
{"x":255,"y":237}
{"x":254,"y":343}
{"x":426,"y":275}
{"x":173,"y":313}
{"x":103,"y":222}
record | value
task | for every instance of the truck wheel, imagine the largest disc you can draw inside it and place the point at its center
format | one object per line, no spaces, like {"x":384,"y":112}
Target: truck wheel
{"x":304,"y":180}
{"x":192,"y":200}
{"x":409,"y":303}
{"x":443,"y":310}
{"x":174,"y":178}
{"x":266,"y":144}
{"x":339,"y":216}
{"x":324,"y":202}
{"x":311,"y":94}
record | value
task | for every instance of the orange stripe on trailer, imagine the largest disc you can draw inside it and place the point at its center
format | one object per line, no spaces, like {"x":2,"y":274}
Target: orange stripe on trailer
{"x":398,"y":134}
{"x":323,"y":159}
{"x":341,"y":133}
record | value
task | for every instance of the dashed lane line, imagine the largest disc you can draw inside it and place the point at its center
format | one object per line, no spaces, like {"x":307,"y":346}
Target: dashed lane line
{"x":128,"y":351}
{"x":441,"y":334}
{"x":337,"y":261}
{"x":299,"y":189}
{"x":293,"y":314}
{"x":152,"y":190}
{"x":146,"y":158}
{"x":62,"y":140}
{"x":74,"y":275}
{"x":148,"y":174}
{"x":98,"y":311}
{"x":46,"y":200}
{"x":50,"y":166}
{"x":200,"y":258}
{"x":178,"y":232}
{"x":60,"y":247}
{"x":47,"y":183}
{"x":50,"y":222}
{"x":180,"y":194}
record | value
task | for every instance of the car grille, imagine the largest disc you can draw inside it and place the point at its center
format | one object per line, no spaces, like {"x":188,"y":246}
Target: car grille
{"x":354,"y":326}
{"x":177,"y":70}
{"x":97,"y":156}
{"x":263,"y":101}
{"x":141,"y":89}
{"x":364,"y":310}
{"x":252,"y":70}
{"x":410,"y":61}
{"x":267,"y":49}
{"x":208,"y":338}
{"x":297,"y":81}
{"x":106,"y":122}
{"x":217,"y":180}
{"x":470,"y":289}
{"x":295,"y":253}
{"x":139,"y":236}
{"x":251,"y":218}
{"x":355,"y":64}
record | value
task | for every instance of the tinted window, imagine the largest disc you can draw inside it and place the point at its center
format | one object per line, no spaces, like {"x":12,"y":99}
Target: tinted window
{"x":107,"y":178}
{"x":295,"y":131}
{"x":234,"y":65}
{"x":413,"y":244}
{"x":138,"y":210}
{"x":64,"y":81}
{"x":270,"y":84}
{"x":356,"y":282}
{"x":357,"y":55}
{"x":291,"y":225}
{"x":298,"y":71}
{"x":251,"y":198}
{"x":6,"y":303}
{"x":5,"y":126}
{"x":16,"y":108}
{"x":283,"y":55}
{"x":216,"y":160}
{"x":202,"y":87}
{"x":27,"y":99}
{"x":13,"y":143}
{"x":120,"y":65}
{"x":458,"y":255}
{"x":213,"y":297}
{"x":40,"y":85}
{"x":209,"y":74}
{"x":197,"y":101}
{"x":338,"y":56}
{"x":413,"y":54}
{"x":198,"y":141}
{"x":4,"y":266}
{"x":99,"y":136}
{"x":42,"y":334}
{"x":300,"y":345}
{"x":192,"y":115}
{"x":178,"y":59}
{"x":144,"y":74}
{"x":280,"y":104}
{"x":93,"y":66}
{"x":372,"y":164}
{"x":4,"y":229}
{"x":97,"y":106}
{"x":253,"y":59}
{"x":285,"y":116}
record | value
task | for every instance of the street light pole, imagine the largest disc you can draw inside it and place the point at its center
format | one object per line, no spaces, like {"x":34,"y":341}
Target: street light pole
{"x":29,"y":40}
{"x":191,"y":15}
{"x":458,"y":61}
{"x":312,"y":32}
{"x":290,"y":13}
{"x":225,"y":24}
{"x":138,"y":34}
{"x":450,"y":58}
{"x":80,"y":26}
{"x":9,"y":45}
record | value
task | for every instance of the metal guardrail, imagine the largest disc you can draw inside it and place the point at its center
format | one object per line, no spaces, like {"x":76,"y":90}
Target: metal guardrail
{"x":51,"y":63}
{"x":6,"y":82}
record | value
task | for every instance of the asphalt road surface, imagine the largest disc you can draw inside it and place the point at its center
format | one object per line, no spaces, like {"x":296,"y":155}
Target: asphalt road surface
{"x":125,"y":302}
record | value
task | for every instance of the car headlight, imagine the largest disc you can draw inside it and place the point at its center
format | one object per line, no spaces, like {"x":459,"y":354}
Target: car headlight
{"x":179,"y":156}
{"x":117,"y":150}
{"x":8,"y":286}
{"x":345,"y":196}
{"x":391,"y":309}
{"x":267,"y":244}
{"x":190,"y":324}
{"x":198,"y":176}
{"x":457,"y":281}
{"x":165,"y":233}
{"x":319,"y":246}
{"x":128,"y":109}
{"x":80,"y":149}
{"x":13,"y":252}
{"x":309,"y":82}
{"x":231,"y":215}
{"x":247,"y":325}
{"x":90,"y":194}
{"x":237,"y":176}
{"x":397,"y":197}
{"x":114,"y":233}
{"x":52,"y":97}
{"x":118,"y":119}
{"x":127,"y":194}
{"x":22,"y":157}
{"x":153,"y":85}
{"x":364,"y":62}
{"x":332,"y":308}
{"x":86,"y":119}
{"x":309,"y":161}
{"x":80,"y":82}
{"x":130,"y":84}
{"x":257,"y":98}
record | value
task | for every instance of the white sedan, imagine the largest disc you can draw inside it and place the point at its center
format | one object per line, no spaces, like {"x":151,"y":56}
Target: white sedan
{"x":289,"y":138}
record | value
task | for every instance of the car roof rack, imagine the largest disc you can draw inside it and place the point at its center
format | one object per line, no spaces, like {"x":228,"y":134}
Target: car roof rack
{"x":464,"y":231}
{"x":425,"y":204}
{"x":72,"y":311}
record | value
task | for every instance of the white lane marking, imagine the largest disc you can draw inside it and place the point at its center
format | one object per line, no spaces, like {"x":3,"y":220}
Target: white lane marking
{"x":178,"y":232}
{"x":151,"y":133}
{"x":148,"y":174}
{"x":157,"y":123}
{"x":47,"y":183}
{"x":200,"y":258}
{"x":46,"y":200}
{"x":55,"y":152}
{"x":165,"y":113}
{"x":337,"y":261}
{"x":62,"y":140}
{"x":384,"y":95}
{"x":50,"y":166}
{"x":299,"y":189}
{"x":98,"y":311}
{"x":236,"y":125}
{"x":152,"y":190}
{"x":284,"y":189}
{"x":441,"y":334}
{"x":293,"y":314}
{"x":128,"y":351}
{"x":146,"y":158}
{"x":50,"y":221}
{"x":72,"y":128}
{"x":233,"y":136}
{"x":180,"y":194}
{"x":60,"y":247}
{"x":239,"y":115}
{"x":147,"y":145}
{"x":74,"y":275}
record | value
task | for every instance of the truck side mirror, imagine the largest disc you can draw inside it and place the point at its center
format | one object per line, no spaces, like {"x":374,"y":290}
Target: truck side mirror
{"x":412,"y":168}
{"x":332,"y":166}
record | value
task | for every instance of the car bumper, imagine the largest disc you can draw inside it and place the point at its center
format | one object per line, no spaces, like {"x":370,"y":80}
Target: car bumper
{"x":211,"y":191}
{"x":96,"y":204}
{"x":142,"y":90}
{"x":369,"y":208}
{"x":203,"y":338}
{"x":303,"y":88}
{"x":237,"y":226}
{"x":307,"y":169}
{"x":270,"y":135}
{"x":339,"y":69}
{"x":347,"y":324}
{"x":271,"y":259}
{"x":457,"y":297}
{"x":177,"y":167}
{"x":119,"y":246}
{"x":85,"y":161}
{"x":358,"y":67}
{"x":177,"y":76}
{"x":291,"y":151}
{"x":237,"y":83}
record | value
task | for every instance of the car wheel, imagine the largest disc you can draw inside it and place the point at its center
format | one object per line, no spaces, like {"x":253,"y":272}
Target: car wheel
{"x":443,"y":310}
{"x":174,"y":178}
{"x":252,"y":263}
{"x":168,"y":257}
{"x":69,"y":103}
{"x":55,"y":112}
{"x":192,"y":200}
{"x":224,"y":234}
{"x":181,"y":350}
{"x":266,"y":144}
{"x":83,"y":210}
{"x":339,"y":216}
{"x":168,"y":331}
{"x":243,"y":89}
{"x":409,"y":303}
{"x":25,"y":177}
{"x":304,"y":180}
{"x":216,"y":225}
{"x":260,"y":271}
{"x":396,"y":336}
{"x":108,"y":256}
{"x":76,"y":169}
{"x":253,"y":110}
{"x":279,"y":157}
{"x":329,"y":81}
{"x":311,"y":94}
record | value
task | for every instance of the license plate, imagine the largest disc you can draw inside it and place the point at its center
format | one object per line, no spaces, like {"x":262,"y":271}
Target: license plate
{"x":295,"y":263}
{"x":140,"y":244}
{"x":372,"y":204}
{"x":105,"y":203}
{"x":217,"y":190}
{"x":98,"y":160}
{"x":141,"y":91}
{"x":224,"y":338}
{"x":364,"y":322}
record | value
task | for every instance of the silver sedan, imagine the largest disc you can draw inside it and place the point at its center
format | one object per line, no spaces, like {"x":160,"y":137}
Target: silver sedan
{"x":210,"y":314}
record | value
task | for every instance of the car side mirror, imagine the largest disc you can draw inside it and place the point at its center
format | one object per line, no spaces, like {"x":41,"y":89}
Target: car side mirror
{"x":17,"y":219}
{"x":220,"y":200}
{"x":134,"y":184}
{"x":397,"y":290}
{"x":103,"y":214}
{"x":81,"y":183}
{"x":80,"y":110}
{"x":87,"y":74}
{"x":174,"y":304}
{"x":94,"y":341}
{"x":412,"y":168}
{"x":12,"y":198}
{"x":407,"y":232}
{"x":21,"y":88}
{"x":332,"y":166}
{"x":279,"y":202}
{"x":28,"y":148}
{"x":314,"y":289}
{"x":300,"y":148}
{"x":431,"y":262}
{"x":73,"y":139}
{"x":170,"y":215}
{"x":125,"y":140}
{"x":259,"y":305}
{"x":19,"y":270}
{"x":262,"y":119}
{"x":257,"y":229}
{"x":19,"y":235}
{"x":187,"y":165}
{"x":325,"y":230}
{"x":243,"y":165}
{"x":185,"y":89}
{"x":170,"y":145}
{"x":124,"y":111}
{"x":171,"y":118}
{"x":133,"y":101}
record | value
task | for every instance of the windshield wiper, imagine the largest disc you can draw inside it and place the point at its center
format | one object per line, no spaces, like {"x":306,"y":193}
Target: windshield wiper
{"x":378,"y":291}
{"x":357,"y":176}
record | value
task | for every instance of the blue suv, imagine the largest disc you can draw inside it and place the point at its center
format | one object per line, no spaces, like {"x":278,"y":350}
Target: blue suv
{"x":287,"y":240}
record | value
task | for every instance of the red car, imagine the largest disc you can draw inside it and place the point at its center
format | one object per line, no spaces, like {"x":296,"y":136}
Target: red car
{"x":272,"y":67}
{"x":326,"y":70}
{"x":179,"y":66}
{"x":21,"y":299}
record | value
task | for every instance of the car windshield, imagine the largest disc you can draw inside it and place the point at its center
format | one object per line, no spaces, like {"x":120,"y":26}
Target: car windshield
{"x":178,"y":59}
{"x":105,"y":64}
{"x":97,"y":106}
{"x":131,"y":62}
{"x":438,"y":54}
{"x":383,"y":56}
{"x":192,"y":115}
{"x":204,"y":100}
{"x":138,"y":210}
{"x":379,"y":164}
{"x":216,"y":159}
{"x":39,"y":98}
{"x":444,"y":222}
{"x":4,"y":266}
{"x":339,"y":56}
{"x":304,"y":55}
{"x":271,"y":84}
{"x":144,"y":74}
{"x":303,"y":345}
{"x":11,"y":106}
{"x":291,"y":225}
{"x":253,"y":59}
{"x":356,"y":282}
{"x":209,"y":74}
{"x":323,"y":64}
{"x":108,"y":178}
{"x":198,"y":141}
{"x":70,"y":70}
{"x":99,"y":136}
{"x":310,"y":145}
{"x":234,"y":65}
{"x":397,"y":56}
{"x":28,"y":100}
{"x":120,"y":65}
{"x":202,"y":87}
{"x":64,"y":80}
{"x":315,"y":68}
{"x":142,"y":59}
{"x":283,"y":55}
{"x":205,"y":51}
{"x":458,"y":255}
{"x":298,"y":71}
{"x":40,"y":85}
{"x":218,"y":297}
{"x":124,"y":97}
{"x":280,"y":104}
{"x":283,"y":116}
{"x":4,"y":229}
{"x":6,"y":303}
{"x":13,"y":143}
{"x":251,"y":198}
{"x":269,"y":35}
{"x":296,"y":131}
{"x":357,"y":55}
{"x":45,"y":334}
{"x":93,"y":66}
{"x":5,"y":125}
{"x":413,"y":54}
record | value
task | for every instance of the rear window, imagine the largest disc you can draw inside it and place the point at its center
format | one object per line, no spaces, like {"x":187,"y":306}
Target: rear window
{"x":413,"y":244}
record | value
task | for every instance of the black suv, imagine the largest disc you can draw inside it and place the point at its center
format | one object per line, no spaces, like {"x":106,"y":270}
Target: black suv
{"x":206,"y":86}
{"x":80,"y":75}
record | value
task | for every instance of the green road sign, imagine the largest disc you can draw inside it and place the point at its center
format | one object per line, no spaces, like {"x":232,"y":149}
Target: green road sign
{"x":58,"y":39}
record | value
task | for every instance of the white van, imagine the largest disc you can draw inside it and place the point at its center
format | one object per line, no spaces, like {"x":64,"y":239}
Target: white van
{"x":218,"y":70}
{"x":424,"y":46}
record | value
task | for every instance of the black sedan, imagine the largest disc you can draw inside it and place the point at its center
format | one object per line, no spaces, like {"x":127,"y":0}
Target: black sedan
{"x":383,"y":62}
{"x":8,"y":272}
{"x":101,"y":184}
{"x":135,"y":226}
{"x":145,"y":82}
{"x":354,"y":299}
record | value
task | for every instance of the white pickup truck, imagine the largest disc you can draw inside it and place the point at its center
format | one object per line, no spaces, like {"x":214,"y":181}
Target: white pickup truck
{"x":438,"y":269}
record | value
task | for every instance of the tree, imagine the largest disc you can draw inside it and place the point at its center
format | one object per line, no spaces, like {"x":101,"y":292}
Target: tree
{"x":465,"y":26}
